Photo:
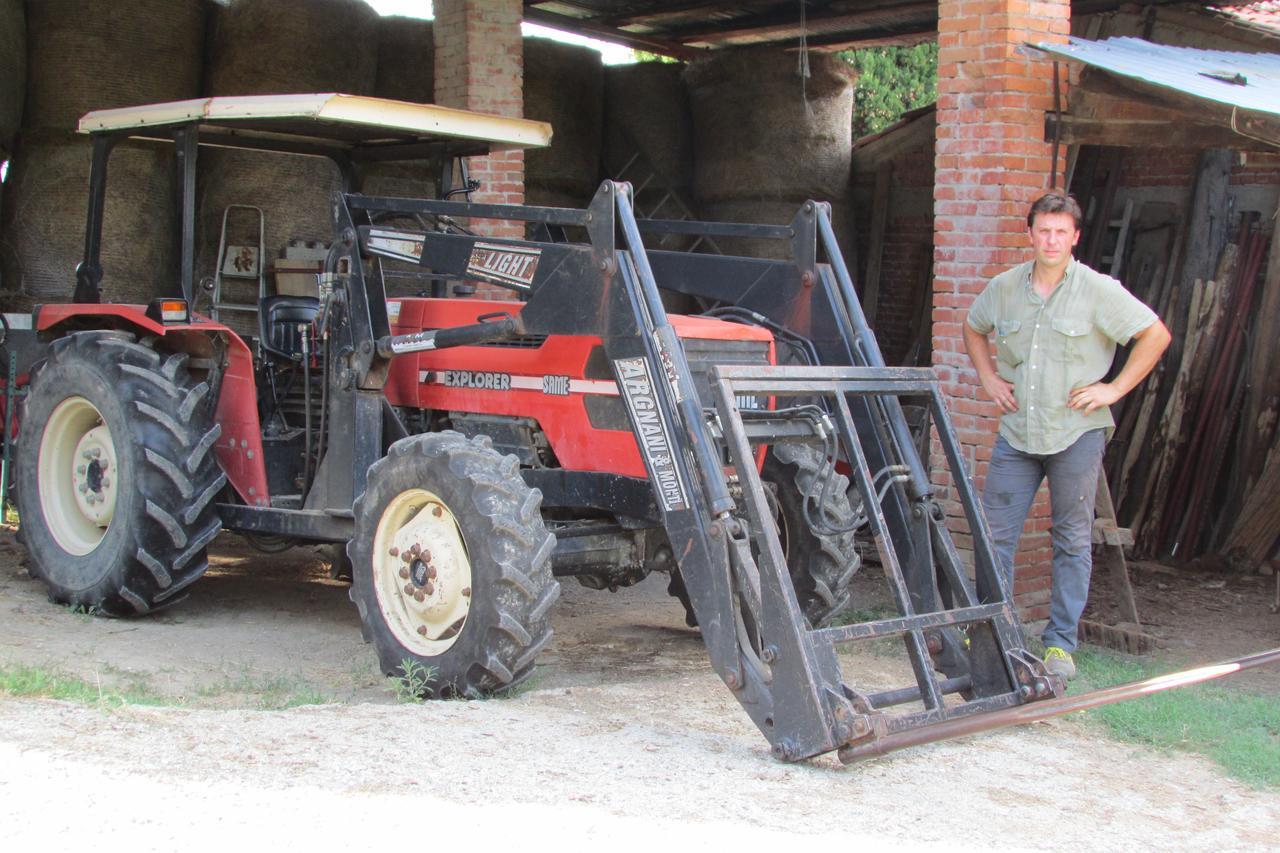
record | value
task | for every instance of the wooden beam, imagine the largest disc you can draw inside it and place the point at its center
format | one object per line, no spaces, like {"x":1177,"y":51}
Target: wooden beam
{"x":1139,"y":133}
{"x":844,"y":24}
{"x":1249,"y":126}
{"x":587,"y":27}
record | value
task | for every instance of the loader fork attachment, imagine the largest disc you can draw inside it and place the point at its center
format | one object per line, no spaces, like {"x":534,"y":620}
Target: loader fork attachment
{"x":967,"y":657}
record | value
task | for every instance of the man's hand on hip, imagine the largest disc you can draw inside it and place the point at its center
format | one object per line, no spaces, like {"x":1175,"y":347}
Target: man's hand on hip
{"x":1000,"y":391}
{"x":1093,"y":396}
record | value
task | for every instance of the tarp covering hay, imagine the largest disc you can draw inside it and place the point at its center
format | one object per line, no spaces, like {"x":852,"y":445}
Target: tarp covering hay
{"x":564,"y":85}
{"x":761,"y":131}
{"x":645,"y":106}
{"x":43,"y":222}
{"x":271,"y":47}
{"x":93,"y":54}
{"x":13,"y":71}
{"x":261,"y":47}
{"x":406,"y":60}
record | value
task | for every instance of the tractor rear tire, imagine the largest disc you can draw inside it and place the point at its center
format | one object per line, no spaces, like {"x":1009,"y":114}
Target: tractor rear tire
{"x":116,"y":475}
{"x":821,"y":564}
{"x":452,"y":566}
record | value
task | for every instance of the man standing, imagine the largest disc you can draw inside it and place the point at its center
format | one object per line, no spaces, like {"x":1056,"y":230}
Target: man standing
{"x":1057,"y":324}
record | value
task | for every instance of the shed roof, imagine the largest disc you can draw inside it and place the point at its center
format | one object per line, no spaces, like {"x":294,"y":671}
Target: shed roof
{"x":1246,"y":83}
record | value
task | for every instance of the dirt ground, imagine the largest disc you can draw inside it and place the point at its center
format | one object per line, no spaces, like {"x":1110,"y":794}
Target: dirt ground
{"x":624,"y":736}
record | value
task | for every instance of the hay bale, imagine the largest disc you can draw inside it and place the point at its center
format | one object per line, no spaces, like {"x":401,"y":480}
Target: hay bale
{"x":406,"y":60}
{"x":43,"y":220}
{"x":762,"y":132}
{"x":645,"y":106}
{"x":292,"y":191}
{"x":13,"y":71}
{"x":94,"y":54}
{"x":564,"y":85}
{"x":260,"y":47}
{"x":276,"y":47}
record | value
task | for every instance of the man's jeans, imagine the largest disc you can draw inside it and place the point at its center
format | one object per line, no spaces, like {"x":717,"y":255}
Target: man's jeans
{"x":1012,"y":482}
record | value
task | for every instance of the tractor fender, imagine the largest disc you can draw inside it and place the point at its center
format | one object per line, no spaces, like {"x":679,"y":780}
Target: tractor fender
{"x":239,"y":446}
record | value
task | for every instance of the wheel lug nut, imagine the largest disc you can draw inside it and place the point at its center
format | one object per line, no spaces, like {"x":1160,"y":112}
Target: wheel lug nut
{"x":84,"y":487}
{"x":86,"y":455}
{"x":416,"y":549}
{"x":80,"y":469}
{"x":395,"y":552}
{"x":431,"y":573}
{"x":106,"y":484}
{"x":408,"y":589}
{"x":437,"y":511}
{"x":466,"y":591}
{"x":97,"y":452}
{"x":418,"y":596}
{"x":407,"y":557}
{"x":430,"y":588}
{"x":426,"y":555}
{"x":422,"y":629}
{"x":404,"y":573}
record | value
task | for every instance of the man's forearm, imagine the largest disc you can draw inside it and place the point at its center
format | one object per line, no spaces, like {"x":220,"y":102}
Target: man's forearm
{"x":979,"y":350}
{"x":1151,"y":344}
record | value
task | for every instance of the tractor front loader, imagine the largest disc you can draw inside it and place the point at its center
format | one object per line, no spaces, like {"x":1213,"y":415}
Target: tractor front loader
{"x":464,"y":453}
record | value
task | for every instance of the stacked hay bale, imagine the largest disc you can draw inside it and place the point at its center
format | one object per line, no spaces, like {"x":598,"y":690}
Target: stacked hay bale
{"x":405,"y":72}
{"x":83,"y":55}
{"x":563,"y":85}
{"x":278,"y":47}
{"x":646,"y":108}
{"x":13,"y":71}
{"x":766,"y":139}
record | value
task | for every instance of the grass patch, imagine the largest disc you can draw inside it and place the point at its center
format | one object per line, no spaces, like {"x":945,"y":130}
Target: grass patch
{"x":30,"y":681}
{"x":1238,"y":730}
{"x":267,"y":693}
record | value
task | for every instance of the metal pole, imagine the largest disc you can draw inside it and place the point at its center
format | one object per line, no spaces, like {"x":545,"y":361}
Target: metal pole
{"x":1051,"y":707}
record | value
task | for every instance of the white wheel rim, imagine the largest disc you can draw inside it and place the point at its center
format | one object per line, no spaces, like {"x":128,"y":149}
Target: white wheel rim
{"x":78,"y":476}
{"x":421,"y":572}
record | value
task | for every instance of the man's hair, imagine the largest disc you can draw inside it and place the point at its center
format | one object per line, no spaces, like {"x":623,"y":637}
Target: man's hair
{"x":1055,"y":202}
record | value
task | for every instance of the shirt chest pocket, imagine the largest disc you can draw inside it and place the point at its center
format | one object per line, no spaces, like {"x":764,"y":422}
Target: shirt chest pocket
{"x":1011,"y":344}
{"x":1070,"y":337}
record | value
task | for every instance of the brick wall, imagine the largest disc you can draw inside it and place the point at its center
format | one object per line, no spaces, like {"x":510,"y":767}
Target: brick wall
{"x":479,"y":65}
{"x":990,"y":164}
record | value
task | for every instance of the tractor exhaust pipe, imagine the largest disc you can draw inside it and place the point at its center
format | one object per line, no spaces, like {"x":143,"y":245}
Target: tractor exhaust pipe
{"x":1050,"y":708}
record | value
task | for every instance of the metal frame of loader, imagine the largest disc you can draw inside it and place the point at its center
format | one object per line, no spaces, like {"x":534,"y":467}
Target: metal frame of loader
{"x":786,"y":675}
{"x":962,"y":636}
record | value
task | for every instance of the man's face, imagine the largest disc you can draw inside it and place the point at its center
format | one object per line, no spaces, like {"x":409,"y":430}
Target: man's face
{"x":1053,"y":236}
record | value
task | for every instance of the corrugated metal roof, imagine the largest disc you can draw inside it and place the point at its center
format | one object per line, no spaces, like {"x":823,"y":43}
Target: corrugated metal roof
{"x":1250,"y":81}
{"x":1264,"y":15}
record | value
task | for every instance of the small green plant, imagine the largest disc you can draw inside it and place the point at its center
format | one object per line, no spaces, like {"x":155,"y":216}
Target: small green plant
{"x":414,"y":682}
{"x":83,"y":612}
{"x":30,"y":681}
{"x":1238,"y":729}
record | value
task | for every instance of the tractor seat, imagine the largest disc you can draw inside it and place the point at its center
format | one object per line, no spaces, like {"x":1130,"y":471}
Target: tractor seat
{"x":279,"y":318}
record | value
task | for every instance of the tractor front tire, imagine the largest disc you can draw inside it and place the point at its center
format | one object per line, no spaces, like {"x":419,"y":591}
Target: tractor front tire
{"x":116,"y":475}
{"x":452,"y":566}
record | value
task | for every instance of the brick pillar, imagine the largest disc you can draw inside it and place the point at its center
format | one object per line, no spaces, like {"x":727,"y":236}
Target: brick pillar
{"x":991,"y":162}
{"x":479,"y":65}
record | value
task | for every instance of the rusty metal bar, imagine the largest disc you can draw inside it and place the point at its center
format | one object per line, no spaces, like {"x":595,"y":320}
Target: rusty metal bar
{"x":1051,"y":707}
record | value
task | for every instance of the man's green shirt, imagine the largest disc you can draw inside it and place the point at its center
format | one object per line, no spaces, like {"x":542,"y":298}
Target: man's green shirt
{"x":1048,"y":348}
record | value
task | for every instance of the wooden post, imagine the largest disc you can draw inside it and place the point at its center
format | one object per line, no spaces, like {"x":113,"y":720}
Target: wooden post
{"x":875,"y":249}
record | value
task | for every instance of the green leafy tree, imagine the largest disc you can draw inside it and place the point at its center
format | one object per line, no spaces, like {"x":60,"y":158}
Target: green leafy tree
{"x":891,"y":81}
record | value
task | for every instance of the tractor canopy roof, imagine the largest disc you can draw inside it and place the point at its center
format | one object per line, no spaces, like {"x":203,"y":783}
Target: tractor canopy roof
{"x":361,"y":128}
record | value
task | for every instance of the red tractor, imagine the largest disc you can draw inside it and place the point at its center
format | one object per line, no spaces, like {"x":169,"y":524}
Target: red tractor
{"x":466,"y":452}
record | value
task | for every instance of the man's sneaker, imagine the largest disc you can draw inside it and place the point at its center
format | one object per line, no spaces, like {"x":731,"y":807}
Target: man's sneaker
{"x":1058,"y":661}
